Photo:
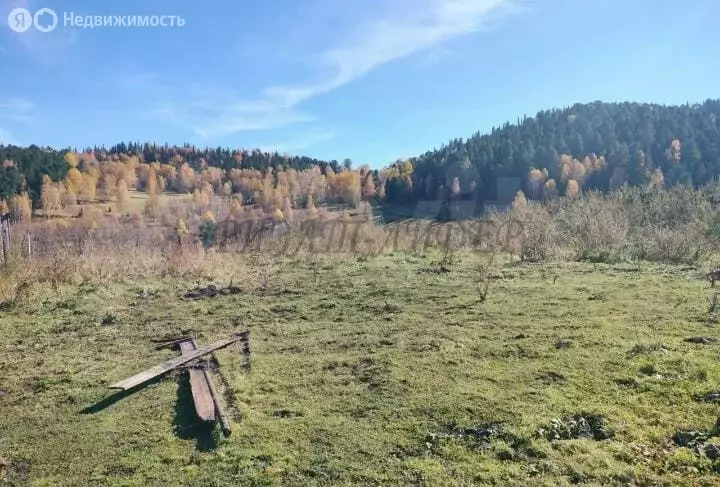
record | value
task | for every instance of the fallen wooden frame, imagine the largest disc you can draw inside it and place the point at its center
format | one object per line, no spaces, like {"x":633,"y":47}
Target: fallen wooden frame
{"x":206,"y":399}
{"x":199,"y":385}
{"x":174,"y":363}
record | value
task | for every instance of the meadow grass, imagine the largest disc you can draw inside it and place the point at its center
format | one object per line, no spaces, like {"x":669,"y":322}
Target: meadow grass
{"x":384,"y":370}
{"x":137,"y":201}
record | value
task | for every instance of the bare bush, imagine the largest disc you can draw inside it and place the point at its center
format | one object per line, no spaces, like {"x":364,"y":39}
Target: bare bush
{"x":673,"y":226}
{"x":538,"y":239}
{"x":682,"y":245}
{"x":595,"y":228}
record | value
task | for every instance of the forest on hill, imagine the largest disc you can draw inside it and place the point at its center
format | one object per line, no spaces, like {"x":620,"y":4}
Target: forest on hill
{"x":561,"y":152}
{"x":220,"y":157}
{"x":598,"y":146}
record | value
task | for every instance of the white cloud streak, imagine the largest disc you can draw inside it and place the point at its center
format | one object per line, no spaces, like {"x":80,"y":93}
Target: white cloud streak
{"x":300,"y":142}
{"x":47,"y":48}
{"x":423,"y":25}
{"x":17,"y":110}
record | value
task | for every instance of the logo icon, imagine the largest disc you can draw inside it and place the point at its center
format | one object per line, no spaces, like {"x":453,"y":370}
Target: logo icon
{"x":45,"y":20}
{"x":20,"y":20}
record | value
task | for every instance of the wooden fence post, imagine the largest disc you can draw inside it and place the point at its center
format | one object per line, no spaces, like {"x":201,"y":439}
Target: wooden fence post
{"x":5,"y":236}
{"x":2,"y":241}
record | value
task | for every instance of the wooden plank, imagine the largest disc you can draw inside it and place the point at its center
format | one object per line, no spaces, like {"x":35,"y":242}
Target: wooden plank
{"x":172,"y":343}
{"x":202,"y":397}
{"x":224,"y":422}
{"x":173,"y":363}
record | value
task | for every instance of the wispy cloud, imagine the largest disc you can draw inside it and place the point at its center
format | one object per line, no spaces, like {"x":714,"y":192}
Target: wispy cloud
{"x":422,"y":25}
{"x":17,"y":110}
{"x":300,"y":142}
{"x":47,"y":48}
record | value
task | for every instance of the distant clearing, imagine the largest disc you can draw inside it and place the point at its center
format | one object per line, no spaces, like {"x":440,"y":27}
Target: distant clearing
{"x":137,"y":200}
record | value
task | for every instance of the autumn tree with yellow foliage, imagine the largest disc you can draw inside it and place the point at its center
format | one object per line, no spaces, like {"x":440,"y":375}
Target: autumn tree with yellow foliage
{"x":312,"y":212}
{"x":236,"y":207}
{"x":520,"y":201}
{"x":74,"y":181}
{"x":49,"y":197}
{"x":572,"y":190}
{"x":550,"y":189}
{"x":122,"y":195}
{"x":181,"y":230}
{"x":657,"y":179}
{"x":368,"y":187}
{"x":21,"y":207}
{"x":287,"y":209}
{"x":536,"y":179}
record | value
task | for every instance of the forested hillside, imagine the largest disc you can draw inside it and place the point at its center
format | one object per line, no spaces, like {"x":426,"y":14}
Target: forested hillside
{"x":597,"y":146}
{"x":23,"y":169}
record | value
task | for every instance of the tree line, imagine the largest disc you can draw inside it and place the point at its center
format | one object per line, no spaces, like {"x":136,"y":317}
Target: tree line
{"x":561,"y":152}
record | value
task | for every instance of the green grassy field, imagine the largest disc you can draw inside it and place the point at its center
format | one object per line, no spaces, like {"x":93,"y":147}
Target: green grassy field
{"x":371,"y":371}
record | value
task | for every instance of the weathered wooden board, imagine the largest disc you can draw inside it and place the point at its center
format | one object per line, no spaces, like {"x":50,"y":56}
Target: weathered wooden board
{"x":224,"y":422}
{"x":173,"y":363}
{"x":200,"y":387}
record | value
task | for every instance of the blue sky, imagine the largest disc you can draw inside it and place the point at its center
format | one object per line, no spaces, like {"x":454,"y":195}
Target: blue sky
{"x":372,"y":80}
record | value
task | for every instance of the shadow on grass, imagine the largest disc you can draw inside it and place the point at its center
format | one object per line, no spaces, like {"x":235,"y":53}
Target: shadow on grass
{"x":186,"y":424}
{"x":118,"y":396}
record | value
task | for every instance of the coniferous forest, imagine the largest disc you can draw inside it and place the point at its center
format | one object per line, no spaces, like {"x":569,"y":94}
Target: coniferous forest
{"x":600,"y":146}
